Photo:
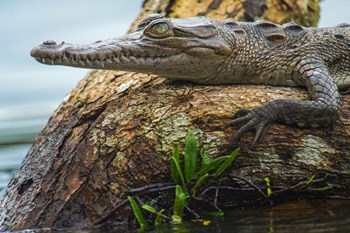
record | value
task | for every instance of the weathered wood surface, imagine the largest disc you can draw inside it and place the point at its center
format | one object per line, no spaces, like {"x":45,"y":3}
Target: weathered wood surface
{"x":116,"y":131}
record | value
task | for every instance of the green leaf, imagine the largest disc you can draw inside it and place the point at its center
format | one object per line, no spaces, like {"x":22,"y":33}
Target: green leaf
{"x":180,"y":201}
{"x":176,"y":218}
{"x":149,"y":209}
{"x":173,"y":169}
{"x":159,"y":214}
{"x":137,"y":212}
{"x":269,"y":191}
{"x":205,"y":159}
{"x":198,"y":183}
{"x":226,"y":163}
{"x":311,"y":178}
{"x":216,"y":214}
{"x":178,"y":168}
{"x":159,"y":217}
{"x":190,"y":156}
{"x":268,"y":184}
{"x":323,"y":188}
{"x":213,"y":164}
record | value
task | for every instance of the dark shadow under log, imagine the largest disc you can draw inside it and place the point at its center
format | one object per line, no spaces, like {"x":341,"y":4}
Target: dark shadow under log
{"x":116,"y":130}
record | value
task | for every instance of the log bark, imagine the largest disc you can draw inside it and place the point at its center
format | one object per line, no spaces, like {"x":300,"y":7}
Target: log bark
{"x":116,"y":131}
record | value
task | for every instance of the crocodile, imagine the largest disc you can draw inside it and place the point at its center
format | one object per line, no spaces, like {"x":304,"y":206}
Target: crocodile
{"x":212,"y":52}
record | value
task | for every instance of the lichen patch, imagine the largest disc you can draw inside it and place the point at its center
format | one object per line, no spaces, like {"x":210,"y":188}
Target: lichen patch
{"x":314,"y":152}
{"x":171,"y":129}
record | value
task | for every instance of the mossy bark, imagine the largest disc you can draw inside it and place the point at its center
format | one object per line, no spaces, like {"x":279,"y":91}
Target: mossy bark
{"x":116,"y":131}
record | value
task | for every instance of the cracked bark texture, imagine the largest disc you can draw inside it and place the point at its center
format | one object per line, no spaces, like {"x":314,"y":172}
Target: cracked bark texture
{"x":116,"y":130}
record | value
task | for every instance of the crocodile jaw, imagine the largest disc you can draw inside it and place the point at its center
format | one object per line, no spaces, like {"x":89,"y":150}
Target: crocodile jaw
{"x":175,"y":57}
{"x":113,"y":54}
{"x":132,"y":55}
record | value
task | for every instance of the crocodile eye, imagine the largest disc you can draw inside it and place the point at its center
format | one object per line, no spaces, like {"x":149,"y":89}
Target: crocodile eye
{"x":160,"y":28}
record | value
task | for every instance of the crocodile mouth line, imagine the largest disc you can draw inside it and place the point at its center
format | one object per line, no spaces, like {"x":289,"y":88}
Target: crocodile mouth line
{"x":96,"y":60}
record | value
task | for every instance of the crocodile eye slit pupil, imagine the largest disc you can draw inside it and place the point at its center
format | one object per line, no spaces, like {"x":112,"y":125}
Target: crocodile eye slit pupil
{"x":160,"y":28}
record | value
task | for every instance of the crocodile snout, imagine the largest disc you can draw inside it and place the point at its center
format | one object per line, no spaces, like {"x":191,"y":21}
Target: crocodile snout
{"x":47,"y":49}
{"x":35,"y":52}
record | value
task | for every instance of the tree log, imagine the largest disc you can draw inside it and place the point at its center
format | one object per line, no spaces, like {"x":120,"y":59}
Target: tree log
{"x":116,"y":131}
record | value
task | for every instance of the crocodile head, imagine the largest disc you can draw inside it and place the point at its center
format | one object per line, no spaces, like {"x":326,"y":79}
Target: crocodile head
{"x":190,"y":48}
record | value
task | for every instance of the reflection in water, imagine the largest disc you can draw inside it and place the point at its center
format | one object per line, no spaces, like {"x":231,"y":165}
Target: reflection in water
{"x":299,"y":216}
{"x":318,"y":216}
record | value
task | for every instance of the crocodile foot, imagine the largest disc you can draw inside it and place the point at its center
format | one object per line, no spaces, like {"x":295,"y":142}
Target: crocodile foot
{"x":249,"y":120}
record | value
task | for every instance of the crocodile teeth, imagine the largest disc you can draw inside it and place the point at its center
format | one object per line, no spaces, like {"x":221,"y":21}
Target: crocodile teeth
{"x":52,"y":62}
{"x":96,"y":63}
{"x":102,"y":64}
{"x":88,"y":62}
{"x":43,"y":60}
{"x":109,"y":62}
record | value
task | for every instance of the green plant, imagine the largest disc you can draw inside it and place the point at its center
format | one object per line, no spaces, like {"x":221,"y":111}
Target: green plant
{"x":187,"y":175}
{"x":160,"y":215}
{"x":179,"y":204}
{"x":268,"y":185}
{"x":175,"y":167}
{"x":311,"y":178}
{"x":194,"y":175}
{"x":309,"y":181}
{"x":191,"y":158}
{"x":137,"y":212}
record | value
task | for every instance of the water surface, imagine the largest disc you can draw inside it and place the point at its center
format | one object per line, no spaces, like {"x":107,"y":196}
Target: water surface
{"x":299,"y":216}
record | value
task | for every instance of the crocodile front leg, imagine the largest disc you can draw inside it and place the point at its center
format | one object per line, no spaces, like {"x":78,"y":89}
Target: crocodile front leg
{"x":321,"y":111}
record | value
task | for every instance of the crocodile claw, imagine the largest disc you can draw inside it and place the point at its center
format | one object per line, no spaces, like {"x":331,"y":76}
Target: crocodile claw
{"x":250,"y":119}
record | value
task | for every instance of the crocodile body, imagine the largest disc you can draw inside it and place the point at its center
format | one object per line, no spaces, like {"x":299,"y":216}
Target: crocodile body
{"x":207,"y":51}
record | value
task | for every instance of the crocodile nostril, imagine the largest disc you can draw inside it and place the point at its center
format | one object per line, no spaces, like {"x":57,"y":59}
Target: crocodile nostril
{"x":49,"y":42}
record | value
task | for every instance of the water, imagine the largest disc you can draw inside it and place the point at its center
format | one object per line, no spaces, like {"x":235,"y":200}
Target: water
{"x":314,"y":216}
{"x":300,"y":216}
{"x":29,"y":92}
